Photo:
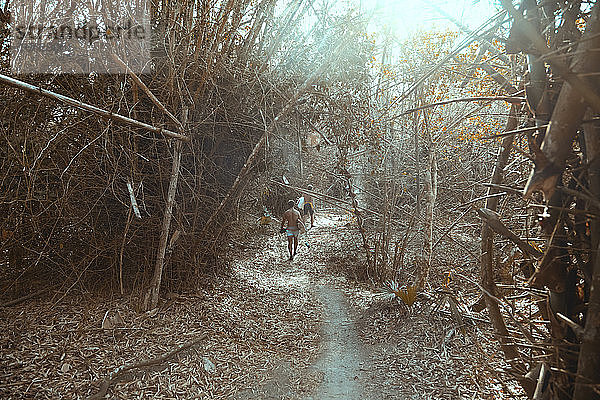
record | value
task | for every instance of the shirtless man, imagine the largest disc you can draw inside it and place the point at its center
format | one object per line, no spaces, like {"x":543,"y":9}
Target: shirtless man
{"x":309,"y":207}
{"x":292,"y":230}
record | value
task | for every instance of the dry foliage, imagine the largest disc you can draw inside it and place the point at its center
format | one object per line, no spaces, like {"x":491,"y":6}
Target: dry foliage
{"x":67,"y":213}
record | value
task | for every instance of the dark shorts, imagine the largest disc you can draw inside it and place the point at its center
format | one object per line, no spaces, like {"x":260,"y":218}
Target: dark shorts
{"x":308,"y":209}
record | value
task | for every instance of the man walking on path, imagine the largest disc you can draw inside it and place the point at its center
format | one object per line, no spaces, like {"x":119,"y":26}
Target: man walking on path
{"x":309,"y":208}
{"x":292,"y":230}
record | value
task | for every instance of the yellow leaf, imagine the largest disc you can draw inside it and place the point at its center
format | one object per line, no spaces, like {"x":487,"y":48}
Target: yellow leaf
{"x":408,"y":296}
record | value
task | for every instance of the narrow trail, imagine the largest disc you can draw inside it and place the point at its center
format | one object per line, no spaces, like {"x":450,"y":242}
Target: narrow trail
{"x":342,"y":351}
{"x":337,"y":368}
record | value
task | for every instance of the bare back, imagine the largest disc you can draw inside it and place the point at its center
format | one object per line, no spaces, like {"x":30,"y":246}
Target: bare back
{"x":292,"y":217}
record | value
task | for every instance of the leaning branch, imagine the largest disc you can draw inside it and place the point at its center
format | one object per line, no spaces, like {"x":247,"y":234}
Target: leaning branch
{"x":88,"y":107}
{"x":509,"y":99}
{"x":493,"y":220}
{"x":521,"y":130}
{"x":148,"y":92}
{"x":113,"y":376}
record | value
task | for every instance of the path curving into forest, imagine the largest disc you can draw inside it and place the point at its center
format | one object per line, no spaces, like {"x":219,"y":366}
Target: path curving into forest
{"x":335,"y":371}
{"x":342,"y":353}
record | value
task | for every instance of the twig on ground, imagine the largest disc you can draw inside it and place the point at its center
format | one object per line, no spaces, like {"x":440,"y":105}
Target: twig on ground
{"x":27,"y":297}
{"x":112,"y":377}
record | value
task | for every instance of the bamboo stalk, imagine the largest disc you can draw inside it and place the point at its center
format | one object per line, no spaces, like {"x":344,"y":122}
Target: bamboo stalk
{"x":488,"y":285}
{"x":88,"y":107}
{"x":114,"y":375}
{"x":583,"y":86}
{"x":491,"y":218}
{"x":151,"y":299}
{"x":509,"y":99}
{"x":521,"y":130}
{"x":146,"y":90}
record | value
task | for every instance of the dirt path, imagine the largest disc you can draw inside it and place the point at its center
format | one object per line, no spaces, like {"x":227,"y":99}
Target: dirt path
{"x":341,"y":359}
{"x":341,"y":350}
{"x":335,"y":370}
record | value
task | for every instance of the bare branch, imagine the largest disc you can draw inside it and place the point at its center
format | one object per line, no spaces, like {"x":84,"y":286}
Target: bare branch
{"x":88,"y":107}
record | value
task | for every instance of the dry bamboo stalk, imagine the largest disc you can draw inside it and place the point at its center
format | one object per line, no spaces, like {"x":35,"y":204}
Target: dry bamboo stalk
{"x":492,"y":219}
{"x":539,"y":388}
{"x":146,"y":90}
{"x":483,"y":48}
{"x":430,"y":199}
{"x":258,"y":20}
{"x":235,"y":24}
{"x":450,"y":228}
{"x":359,"y":222}
{"x":482,"y":38}
{"x":113,"y":376}
{"x":499,"y":78}
{"x":88,"y":107}
{"x":580,"y":84}
{"x":496,"y":76}
{"x":509,"y":99}
{"x":122,"y":251}
{"x":488,"y":284}
{"x":151,"y":299}
{"x":577,"y":329}
{"x":521,"y":130}
{"x":27,"y":297}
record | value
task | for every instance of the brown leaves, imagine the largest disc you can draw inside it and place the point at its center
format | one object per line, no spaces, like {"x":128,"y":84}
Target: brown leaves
{"x":408,"y":295}
{"x":252,"y":321}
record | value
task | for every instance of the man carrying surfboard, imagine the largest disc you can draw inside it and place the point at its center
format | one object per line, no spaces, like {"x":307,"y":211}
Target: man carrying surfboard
{"x":309,"y":208}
